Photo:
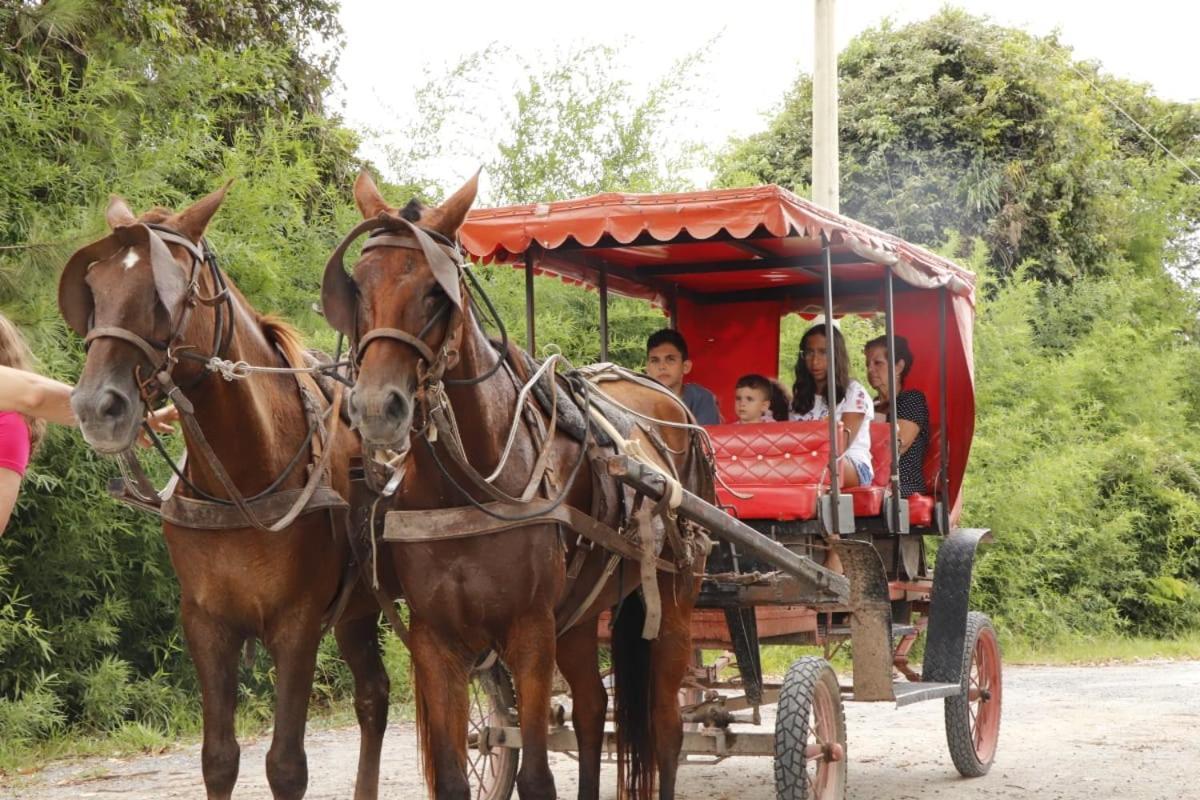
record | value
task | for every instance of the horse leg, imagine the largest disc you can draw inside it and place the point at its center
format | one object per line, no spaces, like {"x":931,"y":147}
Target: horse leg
{"x":442,"y":701}
{"x":578,"y":662}
{"x":358,"y":641}
{"x":529,"y":654}
{"x":294,"y":651}
{"x":214,"y":648}
{"x":670,"y":657}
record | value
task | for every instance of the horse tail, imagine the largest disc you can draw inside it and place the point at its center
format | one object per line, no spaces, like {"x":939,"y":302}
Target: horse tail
{"x":420,"y":702}
{"x":636,"y":762}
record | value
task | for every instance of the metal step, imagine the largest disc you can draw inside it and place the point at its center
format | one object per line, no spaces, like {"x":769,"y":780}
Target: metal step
{"x":908,"y":692}
{"x":843,"y":631}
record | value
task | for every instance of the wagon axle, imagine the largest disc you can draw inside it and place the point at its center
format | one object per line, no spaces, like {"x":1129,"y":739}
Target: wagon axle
{"x":828,"y":751}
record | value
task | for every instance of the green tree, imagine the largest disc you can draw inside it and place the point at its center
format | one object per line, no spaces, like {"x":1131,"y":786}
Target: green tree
{"x":573,"y":128}
{"x":957,"y":125}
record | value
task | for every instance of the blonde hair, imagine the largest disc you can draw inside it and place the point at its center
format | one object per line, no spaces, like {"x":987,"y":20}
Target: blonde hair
{"x":15,"y":353}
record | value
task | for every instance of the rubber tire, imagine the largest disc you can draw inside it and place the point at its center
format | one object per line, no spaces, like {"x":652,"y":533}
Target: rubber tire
{"x":496,"y":707}
{"x":968,"y":760}
{"x":805,"y":678}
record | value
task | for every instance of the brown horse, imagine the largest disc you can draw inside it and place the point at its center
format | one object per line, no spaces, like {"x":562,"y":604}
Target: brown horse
{"x":501,"y":591}
{"x":145,"y":294}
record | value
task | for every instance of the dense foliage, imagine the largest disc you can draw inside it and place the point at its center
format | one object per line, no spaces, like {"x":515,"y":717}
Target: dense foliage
{"x":158,"y":102}
{"x":987,"y":143}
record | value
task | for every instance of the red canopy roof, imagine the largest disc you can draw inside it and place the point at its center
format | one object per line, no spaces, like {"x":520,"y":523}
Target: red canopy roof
{"x":729,"y":262}
{"x":737,"y":243}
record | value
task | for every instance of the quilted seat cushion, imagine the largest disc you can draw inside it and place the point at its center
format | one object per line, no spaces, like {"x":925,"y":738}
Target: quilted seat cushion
{"x":780,"y":464}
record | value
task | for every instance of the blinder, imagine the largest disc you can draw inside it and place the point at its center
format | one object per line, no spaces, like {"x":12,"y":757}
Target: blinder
{"x":339,"y":292}
{"x":177,"y":291}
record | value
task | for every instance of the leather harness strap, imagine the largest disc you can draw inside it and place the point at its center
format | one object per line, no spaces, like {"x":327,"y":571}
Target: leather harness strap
{"x":398,"y":335}
{"x":445,"y":524}
{"x":200,"y":441}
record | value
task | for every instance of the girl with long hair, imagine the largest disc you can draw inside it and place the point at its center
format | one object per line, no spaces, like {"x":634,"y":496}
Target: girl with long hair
{"x":854,"y":409}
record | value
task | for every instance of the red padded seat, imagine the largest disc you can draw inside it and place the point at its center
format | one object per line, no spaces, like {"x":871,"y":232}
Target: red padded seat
{"x":868,"y":500}
{"x":920,"y":506}
{"x":920,"y":509}
{"x":780,"y":464}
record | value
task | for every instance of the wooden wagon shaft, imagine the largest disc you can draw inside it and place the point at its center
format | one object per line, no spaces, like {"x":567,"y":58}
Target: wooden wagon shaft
{"x":653,"y":484}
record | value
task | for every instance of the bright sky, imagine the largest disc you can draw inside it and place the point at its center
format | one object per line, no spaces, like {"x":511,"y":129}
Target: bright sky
{"x":758,"y":53}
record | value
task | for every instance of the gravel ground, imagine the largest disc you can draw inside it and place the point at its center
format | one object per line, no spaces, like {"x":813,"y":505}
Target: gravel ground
{"x":1130,"y":731}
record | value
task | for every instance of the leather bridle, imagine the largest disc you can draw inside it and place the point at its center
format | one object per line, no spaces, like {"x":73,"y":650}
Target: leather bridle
{"x":165,"y":355}
{"x":342,"y":309}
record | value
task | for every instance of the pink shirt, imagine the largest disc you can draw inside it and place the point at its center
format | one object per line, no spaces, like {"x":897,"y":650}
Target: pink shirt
{"x":14,"y":442}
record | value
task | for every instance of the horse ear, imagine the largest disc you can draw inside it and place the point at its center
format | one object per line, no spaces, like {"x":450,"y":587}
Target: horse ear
{"x":447,"y":218}
{"x":118,"y":215}
{"x":193,"y":220}
{"x":367,"y":197}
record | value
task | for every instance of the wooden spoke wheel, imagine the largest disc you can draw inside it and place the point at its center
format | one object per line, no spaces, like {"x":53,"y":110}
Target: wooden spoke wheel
{"x":973,"y":717}
{"x":810,"y":734}
{"x":491,"y":767}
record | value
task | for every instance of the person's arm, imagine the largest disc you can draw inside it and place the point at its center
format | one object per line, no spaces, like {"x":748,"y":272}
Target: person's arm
{"x":702,"y":403}
{"x":716,"y":409}
{"x":35,"y":395}
{"x":911,"y":414}
{"x":909,"y":431}
{"x":853,"y":420}
{"x":10,"y":484}
{"x":161,"y":421}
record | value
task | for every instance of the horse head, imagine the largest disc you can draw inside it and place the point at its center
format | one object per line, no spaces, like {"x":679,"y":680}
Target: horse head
{"x":130,"y":295}
{"x":402,"y":307}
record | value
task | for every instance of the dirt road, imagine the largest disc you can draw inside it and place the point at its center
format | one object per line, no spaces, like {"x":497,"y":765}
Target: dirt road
{"x":1068,"y":732}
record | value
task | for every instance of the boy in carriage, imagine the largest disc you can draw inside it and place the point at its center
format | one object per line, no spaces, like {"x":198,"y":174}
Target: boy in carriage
{"x":667,"y":362}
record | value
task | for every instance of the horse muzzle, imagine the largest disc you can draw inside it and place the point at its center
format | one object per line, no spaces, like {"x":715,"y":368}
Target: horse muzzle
{"x":108,"y":418}
{"x":382,"y":415}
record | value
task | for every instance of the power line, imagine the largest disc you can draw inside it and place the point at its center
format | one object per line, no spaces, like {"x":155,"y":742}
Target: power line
{"x":1136,"y":124}
{"x":1142,"y":128}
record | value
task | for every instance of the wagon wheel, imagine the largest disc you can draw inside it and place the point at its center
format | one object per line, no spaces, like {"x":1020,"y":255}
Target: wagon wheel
{"x":810,"y":734}
{"x":492,"y":772}
{"x":973,"y":717}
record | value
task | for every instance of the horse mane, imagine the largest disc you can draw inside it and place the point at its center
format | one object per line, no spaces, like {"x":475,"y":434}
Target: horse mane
{"x":412,"y":212}
{"x":284,"y":336}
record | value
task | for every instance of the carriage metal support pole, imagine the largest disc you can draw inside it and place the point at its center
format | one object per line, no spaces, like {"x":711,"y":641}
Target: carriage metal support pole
{"x":894,"y":427}
{"x":530,"y":331}
{"x":603,"y":312}
{"x":831,"y":393}
{"x":652,"y":483}
{"x":943,"y":404}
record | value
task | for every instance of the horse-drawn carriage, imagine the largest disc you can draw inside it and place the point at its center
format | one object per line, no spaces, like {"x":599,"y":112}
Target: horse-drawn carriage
{"x":519,"y":506}
{"x":726,"y":266}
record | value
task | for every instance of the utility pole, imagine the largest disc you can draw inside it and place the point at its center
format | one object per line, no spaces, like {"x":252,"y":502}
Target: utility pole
{"x":825,"y":171}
